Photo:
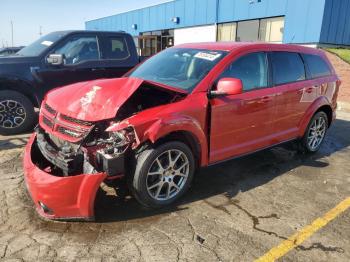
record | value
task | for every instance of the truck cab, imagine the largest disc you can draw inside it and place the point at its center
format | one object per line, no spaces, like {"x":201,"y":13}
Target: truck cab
{"x":55,"y":60}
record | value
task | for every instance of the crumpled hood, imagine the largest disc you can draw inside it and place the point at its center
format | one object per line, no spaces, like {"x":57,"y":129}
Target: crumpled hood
{"x":93,"y":100}
{"x":99,"y":99}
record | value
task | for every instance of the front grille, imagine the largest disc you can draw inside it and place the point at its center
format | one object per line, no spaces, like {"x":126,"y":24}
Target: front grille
{"x":73,"y":129}
{"x":50,"y":109}
{"x":47,"y":122}
{"x":69,"y":132}
{"x":77,"y":121}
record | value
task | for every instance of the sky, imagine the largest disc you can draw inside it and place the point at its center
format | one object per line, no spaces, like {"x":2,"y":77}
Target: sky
{"x":53,"y":15}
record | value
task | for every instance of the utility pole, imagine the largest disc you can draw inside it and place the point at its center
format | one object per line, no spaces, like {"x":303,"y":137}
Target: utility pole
{"x":40,"y":31}
{"x":12,"y":33}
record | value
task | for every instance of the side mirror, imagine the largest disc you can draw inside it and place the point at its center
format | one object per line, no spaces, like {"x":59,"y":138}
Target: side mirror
{"x":55,"y":59}
{"x":227,"y":87}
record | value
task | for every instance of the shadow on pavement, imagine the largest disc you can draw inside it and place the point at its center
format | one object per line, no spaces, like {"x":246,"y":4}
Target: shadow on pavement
{"x":229,"y":178}
{"x":13,"y":142}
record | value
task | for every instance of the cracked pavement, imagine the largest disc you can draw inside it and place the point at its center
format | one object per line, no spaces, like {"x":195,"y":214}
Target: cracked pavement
{"x":235,"y":211}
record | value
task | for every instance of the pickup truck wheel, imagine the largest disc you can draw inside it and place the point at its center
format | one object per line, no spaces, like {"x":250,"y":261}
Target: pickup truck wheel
{"x":16,"y":113}
{"x":315,"y":133}
{"x":162,"y":174}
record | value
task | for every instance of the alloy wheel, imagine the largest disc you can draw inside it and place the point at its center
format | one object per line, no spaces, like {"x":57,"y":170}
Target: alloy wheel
{"x":316,"y":133}
{"x":12,"y":114}
{"x":167,"y":175}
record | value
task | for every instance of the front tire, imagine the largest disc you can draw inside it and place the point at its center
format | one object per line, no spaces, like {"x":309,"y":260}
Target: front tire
{"x":16,"y":113}
{"x":315,"y":133}
{"x":162,"y":174}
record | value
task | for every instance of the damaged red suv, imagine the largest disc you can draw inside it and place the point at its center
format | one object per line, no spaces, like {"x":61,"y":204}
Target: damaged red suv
{"x":189,"y":106}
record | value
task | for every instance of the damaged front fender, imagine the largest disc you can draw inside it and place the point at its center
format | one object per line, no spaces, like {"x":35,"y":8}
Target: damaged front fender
{"x":153,"y":129}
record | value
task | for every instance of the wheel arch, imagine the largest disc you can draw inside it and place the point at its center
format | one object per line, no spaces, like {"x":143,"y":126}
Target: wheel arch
{"x":320,"y":104}
{"x":329,"y":112}
{"x":19,"y":86}
{"x":188,"y":139}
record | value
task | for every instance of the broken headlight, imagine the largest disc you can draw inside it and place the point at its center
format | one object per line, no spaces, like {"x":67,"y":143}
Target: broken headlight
{"x":111,"y":156}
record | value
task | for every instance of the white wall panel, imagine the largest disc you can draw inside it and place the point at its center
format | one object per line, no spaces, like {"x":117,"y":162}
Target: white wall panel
{"x":195,"y":34}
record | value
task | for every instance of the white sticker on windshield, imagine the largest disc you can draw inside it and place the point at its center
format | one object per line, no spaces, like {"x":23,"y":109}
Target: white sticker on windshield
{"x":207,"y":56}
{"x":47,"y":43}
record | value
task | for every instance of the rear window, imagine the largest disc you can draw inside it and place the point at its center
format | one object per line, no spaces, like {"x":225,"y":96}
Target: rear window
{"x":287,"y":67}
{"x":116,"y":48}
{"x":317,"y":66}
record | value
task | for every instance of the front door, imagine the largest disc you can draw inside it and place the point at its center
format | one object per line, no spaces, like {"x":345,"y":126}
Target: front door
{"x":242,"y":123}
{"x":81,"y":62}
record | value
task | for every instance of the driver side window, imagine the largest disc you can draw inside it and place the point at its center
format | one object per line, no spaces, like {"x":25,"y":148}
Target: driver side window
{"x":251,"y":69}
{"x":78,"y":49}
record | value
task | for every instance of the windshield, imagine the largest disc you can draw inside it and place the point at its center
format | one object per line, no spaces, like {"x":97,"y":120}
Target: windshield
{"x":179,"y":67}
{"x":41,"y":44}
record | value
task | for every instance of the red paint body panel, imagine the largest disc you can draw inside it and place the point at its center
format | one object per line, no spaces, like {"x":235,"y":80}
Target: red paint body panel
{"x":223,"y":127}
{"x":241,"y":123}
{"x":83,"y":102}
{"x":187,"y":115}
{"x":67,"y":197}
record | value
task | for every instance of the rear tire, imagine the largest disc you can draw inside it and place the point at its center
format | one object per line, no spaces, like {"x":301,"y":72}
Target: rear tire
{"x":315,"y":133}
{"x":16,"y":113}
{"x":162,"y":174}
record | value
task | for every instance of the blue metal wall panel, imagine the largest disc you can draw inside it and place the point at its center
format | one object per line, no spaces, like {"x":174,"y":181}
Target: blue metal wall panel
{"x":276,"y":8}
{"x":336,"y":23}
{"x":226,"y":11}
{"x":180,"y":8}
{"x":189,"y":12}
{"x":303,"y":18}
{"x":313,"y":21}
{"x":245,"y":9}
{"x":346,"y":35}
{"x":200,"y":12}
{"x":303,"y":21}
{"x":168,"y":14}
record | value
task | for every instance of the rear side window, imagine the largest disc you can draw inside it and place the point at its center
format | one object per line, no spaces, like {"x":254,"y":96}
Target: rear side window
{"x":317,"y":66}
{"x":116,"y":48}
{"x":287,"y":67}
{"x":251,"y":69}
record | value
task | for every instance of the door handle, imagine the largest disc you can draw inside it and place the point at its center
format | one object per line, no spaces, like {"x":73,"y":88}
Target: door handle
{"x":309,"y":90}
{"x":306,"y":90}
{"x":265,"y":99}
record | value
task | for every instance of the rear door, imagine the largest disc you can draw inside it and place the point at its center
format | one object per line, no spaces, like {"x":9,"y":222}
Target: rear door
{"x":242,"y":123}
{"x":294,"y":93}
{"x":118,"y":53}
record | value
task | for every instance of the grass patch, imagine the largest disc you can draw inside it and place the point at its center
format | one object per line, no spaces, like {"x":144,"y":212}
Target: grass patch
{"x":343,"y":53}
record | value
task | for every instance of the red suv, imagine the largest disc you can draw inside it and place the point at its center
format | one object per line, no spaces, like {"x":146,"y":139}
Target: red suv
{"x":189,"y":106}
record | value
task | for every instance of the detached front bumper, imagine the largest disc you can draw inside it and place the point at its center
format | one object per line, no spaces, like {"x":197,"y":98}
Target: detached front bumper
{"x":58,"y":197}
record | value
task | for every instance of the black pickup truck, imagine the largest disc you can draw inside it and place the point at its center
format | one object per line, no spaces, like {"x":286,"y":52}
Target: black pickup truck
{"x":55,"y":60}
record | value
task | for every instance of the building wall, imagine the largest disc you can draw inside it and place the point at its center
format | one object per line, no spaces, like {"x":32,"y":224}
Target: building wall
{"x":303,"y":21}
{"x":190,"y":12}
{"x":303,"y":18}
{"x":336,"y":23}
{"x":195,"y":34}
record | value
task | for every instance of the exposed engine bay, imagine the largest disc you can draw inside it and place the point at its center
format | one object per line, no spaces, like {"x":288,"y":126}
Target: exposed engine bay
{"x":97,"y":150}
{"x":147,"y":96}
